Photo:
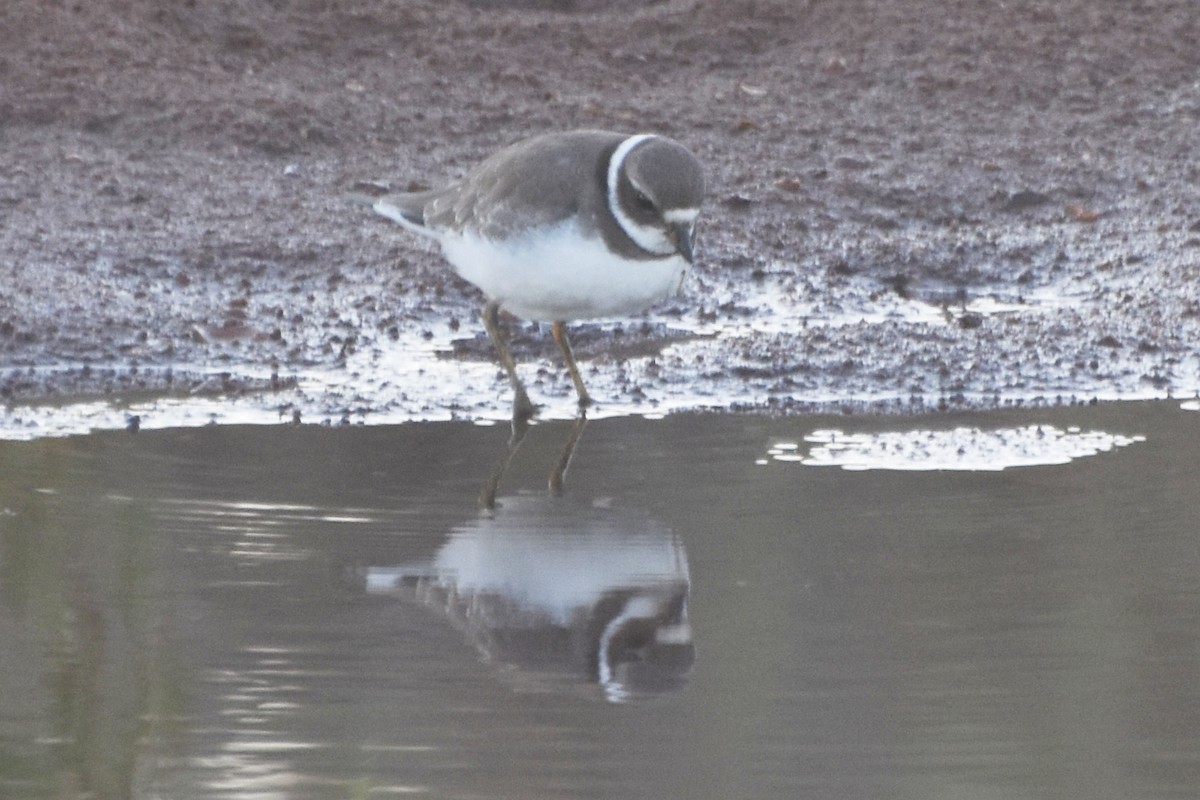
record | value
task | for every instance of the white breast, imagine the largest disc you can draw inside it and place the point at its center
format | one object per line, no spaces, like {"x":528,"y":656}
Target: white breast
{"x":558,"y":274}
{"x":560,"y":576}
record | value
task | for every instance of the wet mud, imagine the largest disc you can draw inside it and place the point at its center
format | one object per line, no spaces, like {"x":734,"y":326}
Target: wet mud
{"x":913,"y":204}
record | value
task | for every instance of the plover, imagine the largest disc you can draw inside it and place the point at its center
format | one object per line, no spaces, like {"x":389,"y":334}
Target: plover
{"x":565,"y":226}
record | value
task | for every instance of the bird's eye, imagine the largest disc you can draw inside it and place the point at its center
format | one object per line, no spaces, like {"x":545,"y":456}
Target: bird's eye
{"x":643,"y":202}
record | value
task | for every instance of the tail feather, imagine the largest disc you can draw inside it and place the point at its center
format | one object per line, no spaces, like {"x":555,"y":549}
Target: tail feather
{"x":410,"y":215}
{"x":405,"y":216}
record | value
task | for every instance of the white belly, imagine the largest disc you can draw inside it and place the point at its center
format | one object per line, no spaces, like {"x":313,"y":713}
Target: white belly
{"x":559,"y":275}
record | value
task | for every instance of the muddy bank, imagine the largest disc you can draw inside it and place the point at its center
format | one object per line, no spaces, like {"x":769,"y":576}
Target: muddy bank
{"x":913,"y":205}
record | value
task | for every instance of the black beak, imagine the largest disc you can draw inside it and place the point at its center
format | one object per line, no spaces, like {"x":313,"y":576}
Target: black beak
{"x":682,"y":234}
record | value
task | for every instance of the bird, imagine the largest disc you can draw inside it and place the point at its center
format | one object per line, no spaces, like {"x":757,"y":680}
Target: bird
{"x":551,"y":587}
{"x":565,"y":226}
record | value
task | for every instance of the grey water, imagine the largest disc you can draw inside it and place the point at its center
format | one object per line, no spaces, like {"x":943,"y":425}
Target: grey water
{"x":702,"y":611}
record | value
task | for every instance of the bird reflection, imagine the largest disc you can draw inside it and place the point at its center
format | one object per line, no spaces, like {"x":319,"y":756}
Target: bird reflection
{"x":557,"y":589}
{"x":520,"y":428}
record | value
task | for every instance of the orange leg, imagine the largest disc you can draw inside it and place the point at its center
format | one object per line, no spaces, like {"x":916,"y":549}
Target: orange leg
{"x":523,"y":409}
{"x":559,"y":329}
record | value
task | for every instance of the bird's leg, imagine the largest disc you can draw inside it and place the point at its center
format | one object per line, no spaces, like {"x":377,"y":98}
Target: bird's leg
{"x":487,"y":498}
{"x":559,"y":473}
{"x":522,"y":408}
{"x":559,"y":330}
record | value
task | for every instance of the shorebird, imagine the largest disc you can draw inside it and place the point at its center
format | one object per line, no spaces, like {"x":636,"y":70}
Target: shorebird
{"x":562,"y":227}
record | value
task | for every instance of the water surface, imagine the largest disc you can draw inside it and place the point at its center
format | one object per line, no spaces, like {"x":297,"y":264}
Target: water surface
{"x":715,"y":607}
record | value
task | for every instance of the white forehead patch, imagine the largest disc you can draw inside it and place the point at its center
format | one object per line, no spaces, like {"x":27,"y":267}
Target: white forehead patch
{"x":677,"y":215}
